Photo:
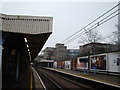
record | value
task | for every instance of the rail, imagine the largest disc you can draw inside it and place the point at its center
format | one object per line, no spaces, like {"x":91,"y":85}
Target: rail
{"x":86,"y":81}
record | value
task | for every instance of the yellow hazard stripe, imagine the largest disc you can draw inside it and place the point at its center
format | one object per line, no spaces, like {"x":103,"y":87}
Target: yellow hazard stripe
{"x":31,"y":81}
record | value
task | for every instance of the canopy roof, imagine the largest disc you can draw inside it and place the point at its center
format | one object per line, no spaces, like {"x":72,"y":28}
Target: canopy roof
{"x":33,"y":30}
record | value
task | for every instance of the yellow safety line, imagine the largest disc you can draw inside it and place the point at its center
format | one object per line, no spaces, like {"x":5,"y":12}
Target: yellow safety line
{"x":31,"y":81}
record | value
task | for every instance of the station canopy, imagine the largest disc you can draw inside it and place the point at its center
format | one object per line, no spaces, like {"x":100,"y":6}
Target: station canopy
{"x":27,"y":32}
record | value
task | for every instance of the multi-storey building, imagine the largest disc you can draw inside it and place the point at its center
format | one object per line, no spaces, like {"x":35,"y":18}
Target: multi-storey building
{"x":72,"y":53}
{"x":49,"y":53}
{"x":61,"y":51}
{"x":96,"y":48}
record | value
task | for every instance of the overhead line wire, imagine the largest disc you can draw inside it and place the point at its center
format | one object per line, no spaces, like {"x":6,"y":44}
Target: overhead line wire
{"x":82,"y":33}
{"x":91,"y":23}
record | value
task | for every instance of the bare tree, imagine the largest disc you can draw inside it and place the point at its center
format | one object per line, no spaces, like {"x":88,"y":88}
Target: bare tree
{"x":91,"y":36}
{"x":115,"y":39}
{"x":118,"y":37}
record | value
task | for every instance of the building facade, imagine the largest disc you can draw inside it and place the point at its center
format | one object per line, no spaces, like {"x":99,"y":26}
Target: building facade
{"x":61,"y":51}
{"x":96,"y":48}
{"x":49,"y":53}
{"x":72,"y":53}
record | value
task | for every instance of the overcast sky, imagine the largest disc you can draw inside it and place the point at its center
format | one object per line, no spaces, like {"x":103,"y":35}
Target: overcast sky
{"x":68,"y":17}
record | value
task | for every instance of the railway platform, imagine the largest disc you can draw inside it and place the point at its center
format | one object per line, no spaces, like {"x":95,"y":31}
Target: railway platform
{"x":30,"y":80}
{"x":113,"y":80}
{"x":36,"y":80}
{"x":24,"y":81}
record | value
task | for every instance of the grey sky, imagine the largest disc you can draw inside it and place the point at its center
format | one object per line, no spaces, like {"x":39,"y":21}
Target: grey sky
{"x":68,"y":17}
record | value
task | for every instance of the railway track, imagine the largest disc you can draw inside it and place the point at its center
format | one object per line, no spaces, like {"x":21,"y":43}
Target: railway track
{"x":49,"y":83}
{"x":52,"y":80}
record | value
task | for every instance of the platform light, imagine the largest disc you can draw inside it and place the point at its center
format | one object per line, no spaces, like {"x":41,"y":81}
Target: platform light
{"x":27,"y":46}
{"x":25,"y":39}
{"x":30,"y":56}
{"x":28,"y":50}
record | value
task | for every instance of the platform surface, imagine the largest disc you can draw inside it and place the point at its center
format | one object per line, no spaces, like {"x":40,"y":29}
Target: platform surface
{"x":105,"y":78}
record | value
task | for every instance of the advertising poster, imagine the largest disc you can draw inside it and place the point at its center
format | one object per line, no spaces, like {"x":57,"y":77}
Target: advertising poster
{"x":67,"y":64}
{"x":55,"y":64}
{"x":82,"y":63}
{"x":114,"y":62}
{"x":98,"y":62}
